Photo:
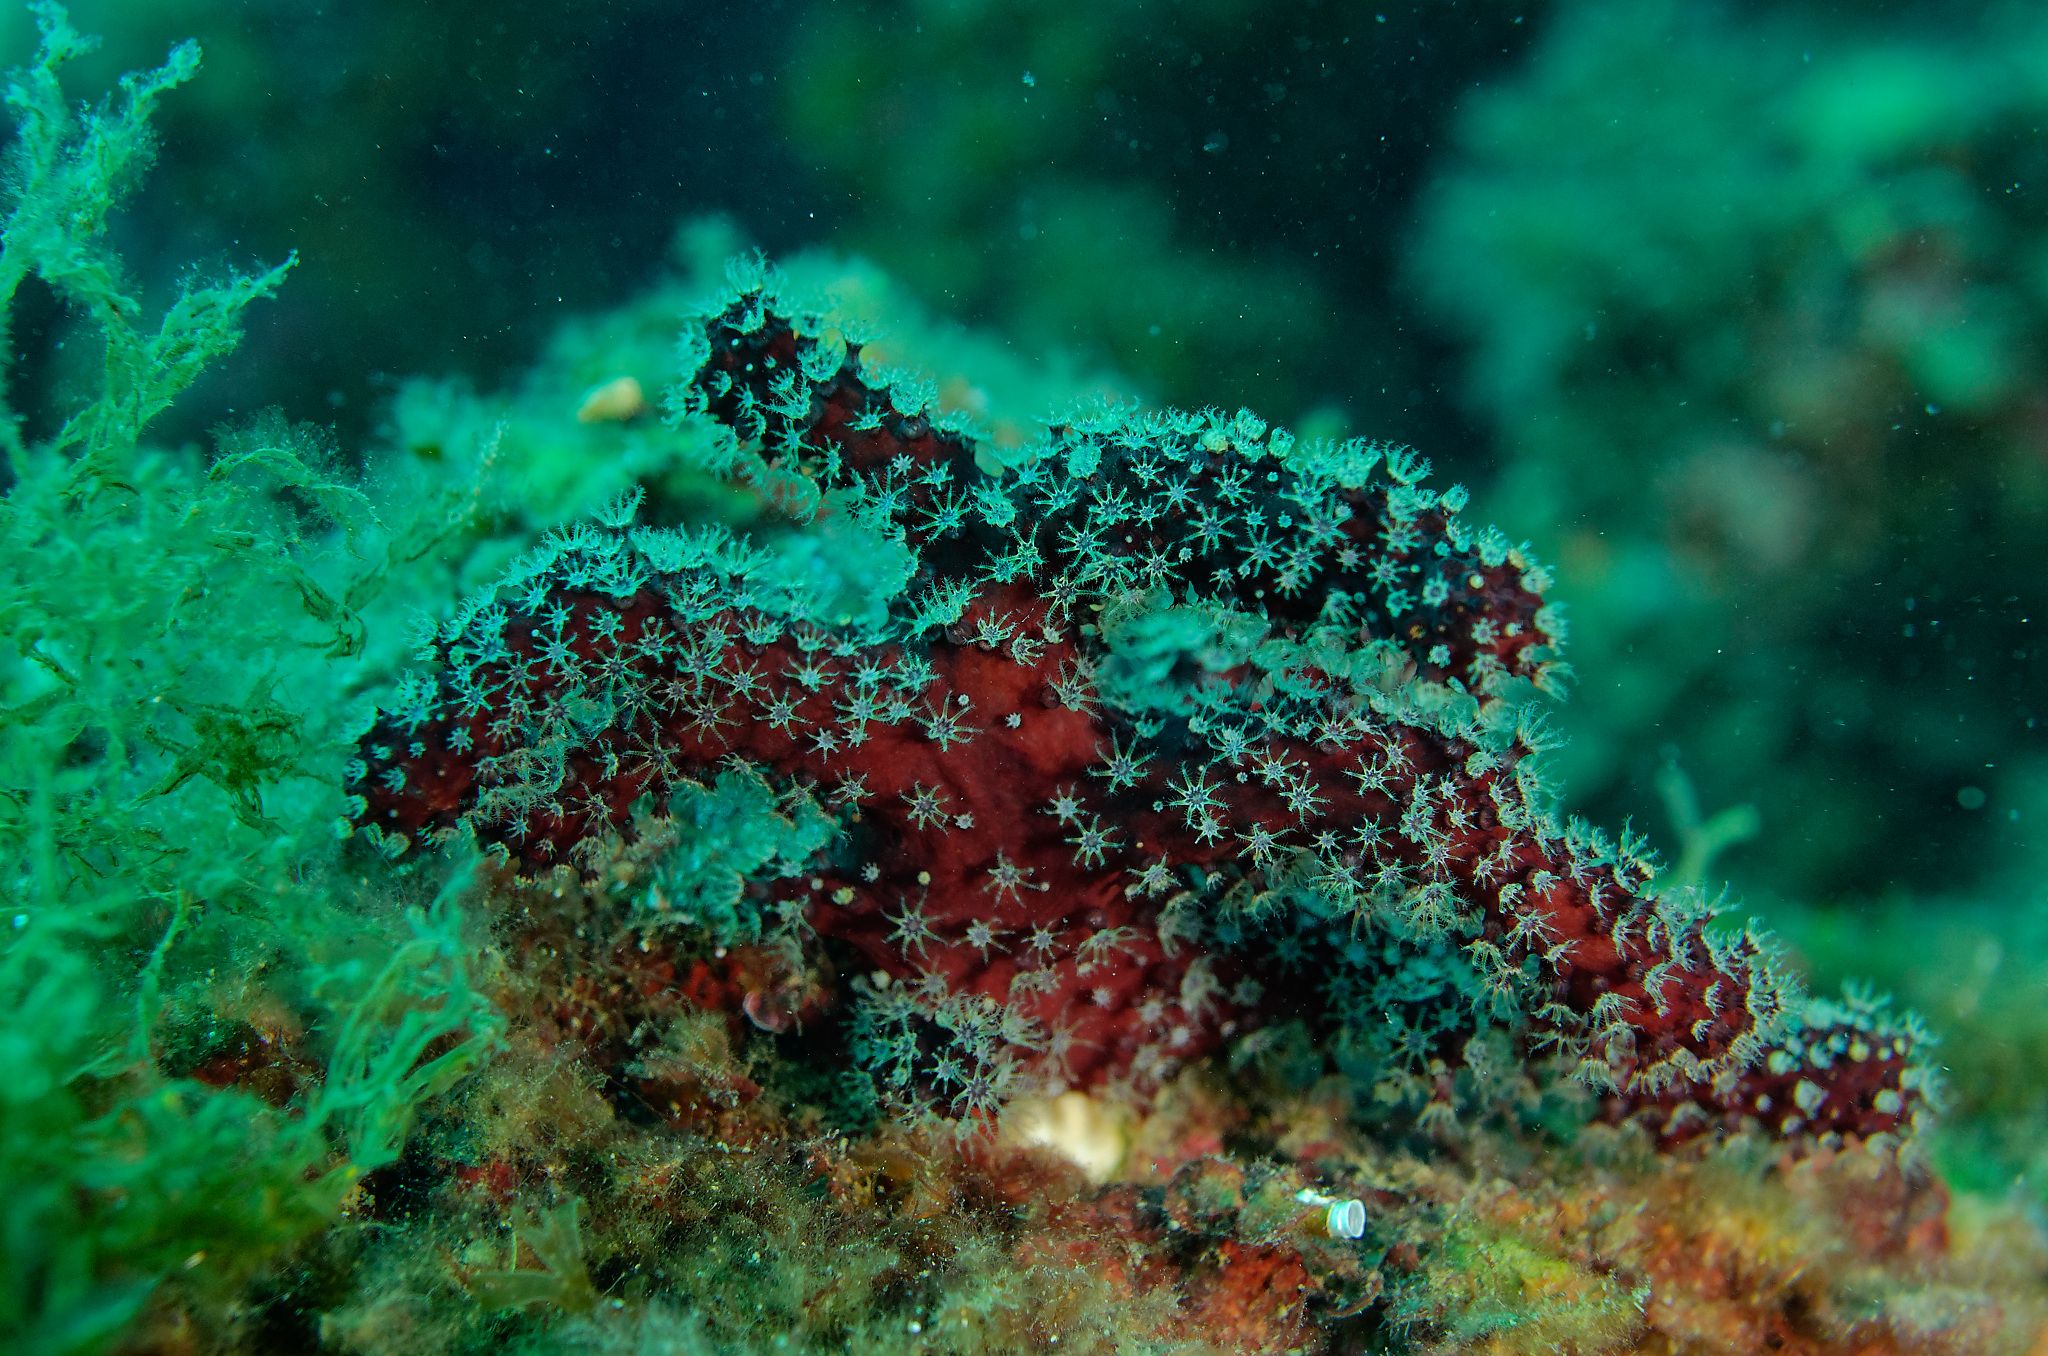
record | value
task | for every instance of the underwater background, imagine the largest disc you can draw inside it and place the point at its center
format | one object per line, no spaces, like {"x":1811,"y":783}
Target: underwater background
{"x":519,"y":521}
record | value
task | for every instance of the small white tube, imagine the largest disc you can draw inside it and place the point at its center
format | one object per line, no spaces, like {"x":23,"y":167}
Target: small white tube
{"x":1342,"y":1217}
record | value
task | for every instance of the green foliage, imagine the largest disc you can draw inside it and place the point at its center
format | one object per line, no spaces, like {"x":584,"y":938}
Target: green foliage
{"x":561,"y":1281}
{"x":132,"y":581}
{"x":116,"y":1178}
{"x":155,"y":630}
{"x":167,"y":696}
{"x":415,"y":1029}
{"x":66,"y":172}
{"x":736,"y":830}
{"x":1498,"y":1290}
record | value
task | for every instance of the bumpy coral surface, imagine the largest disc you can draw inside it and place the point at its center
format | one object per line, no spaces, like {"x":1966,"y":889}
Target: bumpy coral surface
{"x":1161,"y":729}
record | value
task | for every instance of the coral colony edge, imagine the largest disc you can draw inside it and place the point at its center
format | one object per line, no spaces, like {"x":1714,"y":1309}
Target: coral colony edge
{"x":889,"y":881}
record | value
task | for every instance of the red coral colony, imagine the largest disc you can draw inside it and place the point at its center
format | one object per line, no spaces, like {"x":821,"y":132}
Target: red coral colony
{"x":1164,"y":743}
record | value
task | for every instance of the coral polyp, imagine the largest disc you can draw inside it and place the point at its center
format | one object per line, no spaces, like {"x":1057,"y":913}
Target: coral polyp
{"x":1156,"y":731}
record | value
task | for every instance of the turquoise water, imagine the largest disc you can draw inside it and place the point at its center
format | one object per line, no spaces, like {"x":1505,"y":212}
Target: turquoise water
{"x":932,"y":676}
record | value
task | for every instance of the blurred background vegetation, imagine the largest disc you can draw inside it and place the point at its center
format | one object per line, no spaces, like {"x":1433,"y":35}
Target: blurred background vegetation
{"x":1738,"y":313}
